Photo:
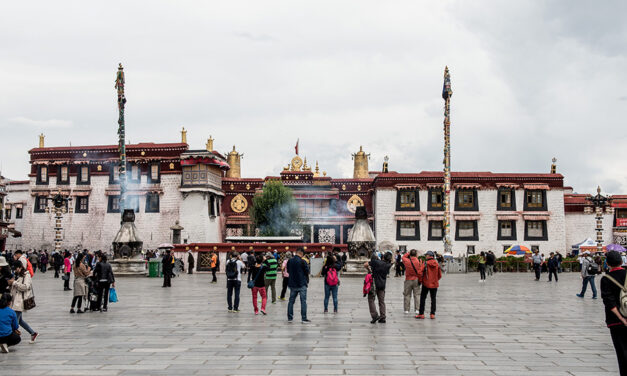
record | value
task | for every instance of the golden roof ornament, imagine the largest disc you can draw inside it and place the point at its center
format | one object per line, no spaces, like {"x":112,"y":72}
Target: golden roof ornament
{"x":317,"y":171}
{"x":360,"y":170}
{"x":183,"y":136}
{"x":41,"y":140}
{"x":210,"y":144}
{"x":385,"y":164}
{"x":233,"y":159}
{"x":554,"y":166}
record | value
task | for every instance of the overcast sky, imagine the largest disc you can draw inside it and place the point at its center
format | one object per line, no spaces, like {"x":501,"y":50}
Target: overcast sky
{"x":531,"y":81}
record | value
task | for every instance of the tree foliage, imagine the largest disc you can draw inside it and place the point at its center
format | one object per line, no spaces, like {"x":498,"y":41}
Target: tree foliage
{"x":274,"y":211}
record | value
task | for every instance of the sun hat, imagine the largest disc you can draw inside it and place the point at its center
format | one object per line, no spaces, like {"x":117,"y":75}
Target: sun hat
{"x":3,"y":261}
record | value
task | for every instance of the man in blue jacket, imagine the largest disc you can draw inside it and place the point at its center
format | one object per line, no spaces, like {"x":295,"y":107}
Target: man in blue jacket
{"x":298,"y":270}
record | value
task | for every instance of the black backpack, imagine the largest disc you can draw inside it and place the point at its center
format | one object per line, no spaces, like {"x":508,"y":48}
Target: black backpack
{"x":231,"y":270}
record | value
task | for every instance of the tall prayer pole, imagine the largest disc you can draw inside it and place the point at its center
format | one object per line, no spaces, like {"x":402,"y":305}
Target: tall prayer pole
{"x":446,"y":95}
{"x":119,"y":85}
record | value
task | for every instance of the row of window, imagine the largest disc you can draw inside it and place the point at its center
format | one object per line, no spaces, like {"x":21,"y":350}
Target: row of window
{"x":113,"y":205}
{"x":83,"y":174}
{"x":468,"y":230}
{"x":466,"y":200}
{"x":8,"y":212}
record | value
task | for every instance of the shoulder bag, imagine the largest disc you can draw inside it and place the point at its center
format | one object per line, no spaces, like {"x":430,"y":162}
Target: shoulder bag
{"x":28,"y":303}
{"x":251,"y":283}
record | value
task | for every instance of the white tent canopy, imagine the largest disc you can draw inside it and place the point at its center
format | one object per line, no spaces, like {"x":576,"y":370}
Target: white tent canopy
{"x":586,"y":243}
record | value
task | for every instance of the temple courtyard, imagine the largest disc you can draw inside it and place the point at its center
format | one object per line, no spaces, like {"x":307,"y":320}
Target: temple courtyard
{"x":511,"y":325}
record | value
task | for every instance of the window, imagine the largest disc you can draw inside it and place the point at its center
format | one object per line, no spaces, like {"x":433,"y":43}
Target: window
{"x":313,"y":208}
{"x":506,"y":247}
{"x":470,"y":249}
{"x":114,"y":204}
{"x":407,"y":230}
{"x":132,"y":202}
{"x":506,"y":199}
{"x":82,"y":204}
{"x":535,"y":230}
{"x":114,"y":174}
{"x":535,"y":248}
{"x":155,"y":173}
{"x":507,"y":230}
{"x":63,"y":175}
{"x":135,"y":174}
{"x":40,"y":204}
{"x":152,"y":203}
{"x":466,"y":199}
{"x":7,"y":214}
{"x":212,"y":205}
{"x":436,"y":199}
{"x":535,"y":200}
{"x":42,"y":175}
{"x":407,"y":200}
{"x":83,"y":175}
{"x":436,"y":230}
{"x":19,"y":213}
{"x":466,"y":230}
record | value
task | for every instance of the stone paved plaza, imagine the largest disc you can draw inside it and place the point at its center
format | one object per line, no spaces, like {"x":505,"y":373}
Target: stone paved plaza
{"x":510,"y":325}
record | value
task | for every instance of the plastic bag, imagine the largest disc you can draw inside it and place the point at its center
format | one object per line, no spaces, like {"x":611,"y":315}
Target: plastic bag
{"x":113,"y":295}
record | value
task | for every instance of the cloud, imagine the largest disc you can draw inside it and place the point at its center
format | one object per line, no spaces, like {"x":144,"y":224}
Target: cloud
{"x":255,"y":37}
{"x":42,"y":124}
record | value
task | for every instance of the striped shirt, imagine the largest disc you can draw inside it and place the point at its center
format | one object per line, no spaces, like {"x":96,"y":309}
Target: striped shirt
{"x":271,"y":268}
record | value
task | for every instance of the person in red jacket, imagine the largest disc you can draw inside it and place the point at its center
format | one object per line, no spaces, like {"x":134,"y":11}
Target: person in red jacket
{"x":430,"y":282}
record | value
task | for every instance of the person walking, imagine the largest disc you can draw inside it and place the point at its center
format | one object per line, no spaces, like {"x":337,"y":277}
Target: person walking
{"x":398,"y":262}
{"x":9,"y":324}
{"x":552,"y":265}
{"x":43,"y":261}
{"x":537,"y":263}
{"x":490,"y":260}
{"x":271,"y":265}
{"x":589,"y":269}
{"x":615,"y":319}
{"x":57,"y":262}
{"x":252,"y":260}
{"x":21,"y":290}
{"x":233,"y":271}
{"x":285,"y":275}
{"x":81,"y":272}
{"x":559,"y":258}
{"x":167,"y":265}
{"x":413,"y":274}
{"x":298,"y":270}
{"x":244,"y":259}
{"x":430,"y":282}
{"x":482,"y":265}
{"x":331,"y":274}
{"x":214,"y":267}
{"x":380,"y":270}
{"x":103,"y":274}
{"x":34,"y":260}
{"x":67,"y":269}
{"x":190,"y":262}
{"x":259,"y":284}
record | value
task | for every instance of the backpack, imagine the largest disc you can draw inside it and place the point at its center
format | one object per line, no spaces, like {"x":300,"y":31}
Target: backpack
{"x":331,"y":278}
{"x":622,"y":297}
{"x":593,"y":268}
{"x":29,"y":267}
{"x":231,"y":270}
{"x":367,"y":283}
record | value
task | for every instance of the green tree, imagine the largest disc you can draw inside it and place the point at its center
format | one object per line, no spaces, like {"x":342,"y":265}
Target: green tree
{"x":274,"y":211}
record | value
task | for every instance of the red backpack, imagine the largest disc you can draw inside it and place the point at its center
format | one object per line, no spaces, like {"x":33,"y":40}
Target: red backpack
{"x":367,"y":283}
{"x":332,"y":279}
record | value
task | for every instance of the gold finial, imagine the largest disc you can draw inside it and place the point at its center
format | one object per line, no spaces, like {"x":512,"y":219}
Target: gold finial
{"x":183,"y":136}
{"x":210,"y":144}
{"x":234,"y":160}
{"x":360,"y":169}
{"x":305,"y":167}
{"x":554,"y":166}
{"x":385,"y":164}
{"x":324,"y":173}
{"x":41,"y":140}
{"x":317,"y":172}
{"x":599,"y":189}
{"x":120,"y":66}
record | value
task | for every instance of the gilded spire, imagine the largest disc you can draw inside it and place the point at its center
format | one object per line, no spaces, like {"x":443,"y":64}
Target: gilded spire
{"x":233,"y":159}
{"x":554,"y":166}
{"x":360,"y":170}
{"x":317,"y":171}
{"x":210,"y":144}
{"x":183,"y":136}
{"x":41,"y":140}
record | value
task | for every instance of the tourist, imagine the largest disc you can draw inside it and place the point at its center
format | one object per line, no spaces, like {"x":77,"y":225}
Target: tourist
{"x":81,"y":272}
{"x":490,"y":260}
{"x":430,"y":282}
{"x":22,"y":289}
{"x":9,"y":324}
{"x":285,"y":274}
{"x":34,"y":260}
{"x":67,"y":269}
{"x":5,"y":275}
{"x":537,"y":263}
{"x":413,"y":274}
{"x":298,"y":270}
{"x":611,"y":287}
{"x":166,"y":266}
{"x":43,"y":261}
{"x":18,"y":255}
{"x":481,"y":266}
{"x":380,"y":270}
{"x":57,"y":262}
{"x":552,"y":265}
{"x":331,"y":274}
{"x":103,"y":274}
{"x":398,"y":262}
{"x":233,"y":271}
{"x":244,"y":259}
{"x":259,"y":284}
{"x":589,"y":269}
{"x":559,"y":258}
{"x":271,"y":265}
{"x":252,"y":259}
{"x":190,"y":262}
{"x":214,"y":267}
{"x":344,"y":259}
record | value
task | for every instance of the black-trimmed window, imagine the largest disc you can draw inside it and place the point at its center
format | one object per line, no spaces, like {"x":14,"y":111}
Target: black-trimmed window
{"x":63,"y":175}
{"x":40,"y":204}
{"x":133,"y":173}
{"x":212,"y":205}
{"x":82,"y":204}
{"x":436,"y":230}
{"x":154,"y":173}
{"x":407,"y":199}
{"x":152,"y":203}
{"x":506,"y":199}
{"x":113,"y":206}
{"x":19,"y":213}
{"x":42,"y":175}
{"x":114,"y":173}
{"x":7,"y":214}
{"x":83,"y":177}
{"x":466,"y":200}
{"x":466,"y":230}
{"x":507,"y":230}
{"x":536,"y":230}
{"x":407,"y":230}
{"x":535,"y":200}
{"x":218,"y":205}
{"x":435,"y":200}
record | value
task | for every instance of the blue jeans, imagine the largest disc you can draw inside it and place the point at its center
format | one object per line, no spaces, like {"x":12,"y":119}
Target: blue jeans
{"x":23,"y":323}
{"x":303,"y":302}
{"x":233,"y":286}
{"x":327,"y":291}
{"x":589,"y":279}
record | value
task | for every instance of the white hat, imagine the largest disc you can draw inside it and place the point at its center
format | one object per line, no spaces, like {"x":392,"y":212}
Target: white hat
{"x":586,"y":253}
{"x":3,"y":261}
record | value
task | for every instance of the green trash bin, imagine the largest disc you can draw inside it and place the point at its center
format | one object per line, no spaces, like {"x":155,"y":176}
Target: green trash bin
{"x":153,"y":268}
